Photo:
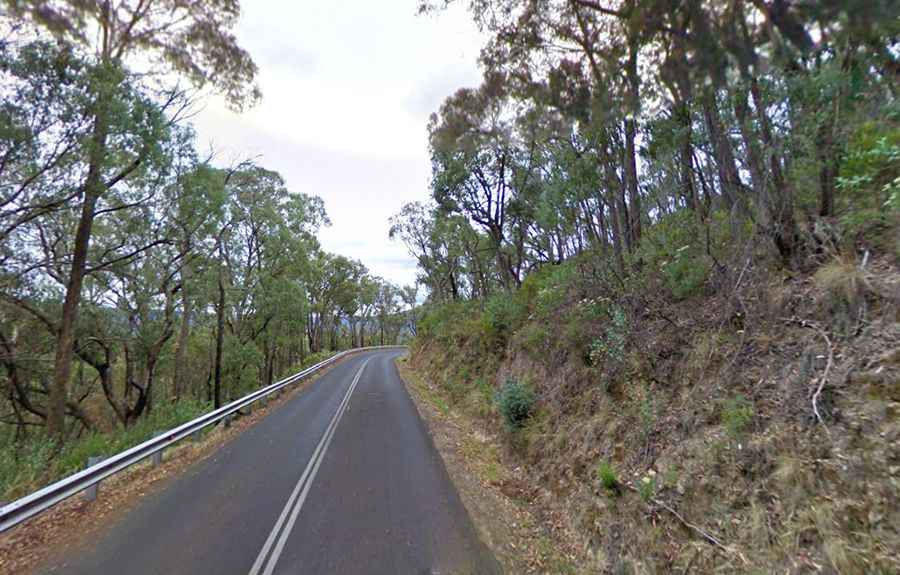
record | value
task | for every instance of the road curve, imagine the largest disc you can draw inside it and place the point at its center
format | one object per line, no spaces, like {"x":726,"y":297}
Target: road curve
{"x":341,"y":479}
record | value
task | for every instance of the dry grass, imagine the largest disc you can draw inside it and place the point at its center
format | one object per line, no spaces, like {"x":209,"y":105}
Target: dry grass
{"x":782,"y":491}
{"x":523,"y":542}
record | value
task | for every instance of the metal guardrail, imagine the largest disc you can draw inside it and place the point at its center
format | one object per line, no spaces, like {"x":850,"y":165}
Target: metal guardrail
{"x":43,"y":499}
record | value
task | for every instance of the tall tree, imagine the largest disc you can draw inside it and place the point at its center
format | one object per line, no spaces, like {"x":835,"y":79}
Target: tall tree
{"x":189,"y":38}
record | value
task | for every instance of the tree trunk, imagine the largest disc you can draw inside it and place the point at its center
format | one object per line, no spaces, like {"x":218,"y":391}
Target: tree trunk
{"x":184,"y":332}
{"x":65,"y":341}
{"x":631,"y":173}
{"x":754,"y":155}
{"x":686,"y":158}
{"x":726,"y":167}
{"x":220,"y":340}
{"x":781,"y":201}
{"x":827,"y":145}
{"x":828,"y":171}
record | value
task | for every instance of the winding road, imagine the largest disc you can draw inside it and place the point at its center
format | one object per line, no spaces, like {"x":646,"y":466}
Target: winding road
{"x":343,"y":479}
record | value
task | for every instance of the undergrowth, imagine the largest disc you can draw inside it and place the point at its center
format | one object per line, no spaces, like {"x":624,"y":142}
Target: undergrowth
{"x":28,"y":463}
{"x":689,"y":380}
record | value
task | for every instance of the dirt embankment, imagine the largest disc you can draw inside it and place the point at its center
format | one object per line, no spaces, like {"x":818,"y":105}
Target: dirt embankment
{"x":752,"y":430}
{"x":523,"y":540}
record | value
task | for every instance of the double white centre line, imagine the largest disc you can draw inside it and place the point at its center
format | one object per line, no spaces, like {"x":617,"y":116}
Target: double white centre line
{"x":265,"y":562}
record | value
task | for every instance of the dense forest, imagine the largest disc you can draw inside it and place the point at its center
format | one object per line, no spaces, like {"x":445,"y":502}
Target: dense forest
{"x":143,"y":280}
{"x":661,"y":253}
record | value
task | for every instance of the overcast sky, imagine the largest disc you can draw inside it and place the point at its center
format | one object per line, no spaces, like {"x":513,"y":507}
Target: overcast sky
{"x":348,"y":86}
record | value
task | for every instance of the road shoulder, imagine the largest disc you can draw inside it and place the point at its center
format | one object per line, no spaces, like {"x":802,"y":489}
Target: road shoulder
{"x":488,"y":489}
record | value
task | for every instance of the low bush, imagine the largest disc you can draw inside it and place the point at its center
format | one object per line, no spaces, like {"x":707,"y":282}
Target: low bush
{"x":647,"y":487}
{"x":516,"y":403}
{"x":28,"y":463}
{"x":737,"y":413}
{"x":312,"y":359}
{"x":502,"y":314}
{"x":611,"y":345}
{"x":606,"y":474}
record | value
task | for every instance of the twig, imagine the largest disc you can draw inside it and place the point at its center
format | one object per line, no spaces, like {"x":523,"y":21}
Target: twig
{"x":824,"y":379}
{"x":696,"y":529}
{"x":737,"y":284}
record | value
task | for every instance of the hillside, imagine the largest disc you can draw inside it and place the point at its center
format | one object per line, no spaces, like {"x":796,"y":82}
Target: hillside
{"x":763,"y":411}
{"x":662,"y":252}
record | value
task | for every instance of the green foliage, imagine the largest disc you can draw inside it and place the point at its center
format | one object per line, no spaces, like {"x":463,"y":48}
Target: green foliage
{"x":485,"y":392}
{"x":606,"y":474}
{"x":29,"y":463}
{"x":502,"y":314}
{"x":647,"y":487}
{"x":314,"y":358}
{"x":516,"y":403}
{"x":550,"y":288}
{"x":536,"y":337}
{"x":451,"y":322}
{"x":737,"y":414}
{"x":685,"y":274}
{"x":675,"y":248}
{"x":870,"y":178}
{"x":611,"y":345}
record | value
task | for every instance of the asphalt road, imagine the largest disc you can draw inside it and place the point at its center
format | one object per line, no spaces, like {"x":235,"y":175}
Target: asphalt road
{"x":343,"y":478}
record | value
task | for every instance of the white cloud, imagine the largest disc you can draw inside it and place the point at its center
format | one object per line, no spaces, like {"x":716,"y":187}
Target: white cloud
{"x":348,"y":86}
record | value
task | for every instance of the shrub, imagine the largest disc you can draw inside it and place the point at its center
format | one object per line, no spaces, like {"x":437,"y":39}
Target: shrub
{"x":27,"y":464}
{"x":869,"y":183}
{"x":485,"y":392}
{"x":516,"y":402}
{"x":448,"y":322}
{"x":685,"y":274}
{"x":502,"y":314}
{"x":607,"y":476}
{"x":611,"y":345}
{"x":678,"y":249}
{"x":871,"y":167}
{"x":312,"y":359}
{"x":737,"y":413}
{"x":551,"y":287}
{"x":844,"y":281}
{"x":647,"y":487}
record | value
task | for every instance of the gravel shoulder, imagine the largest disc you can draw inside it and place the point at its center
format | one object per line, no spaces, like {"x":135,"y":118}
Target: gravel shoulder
{"x":494,"y":494}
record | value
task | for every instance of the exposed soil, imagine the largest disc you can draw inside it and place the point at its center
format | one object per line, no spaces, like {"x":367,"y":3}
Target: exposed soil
{"x":751,"y":429}
{"x":491,"y":491}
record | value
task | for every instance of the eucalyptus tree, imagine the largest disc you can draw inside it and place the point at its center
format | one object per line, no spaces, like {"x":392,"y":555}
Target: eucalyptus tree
{"x":47,"y":163}
{"x":454,"y":259}
{"x":191,"y":39}
{"x":410,"y":297}
{"x":479,"y":166}
{"x":264,"y":252}
{"x":387,"y":306}
{"x":196,"y":206}
{"x":330,"y":284}
{"x":746,"y":91}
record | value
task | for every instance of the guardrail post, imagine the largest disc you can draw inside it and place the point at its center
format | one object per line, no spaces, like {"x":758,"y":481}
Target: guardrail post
{"x":86,"y":485}
{"x":157,"y":458}
{"x":90,"y":494}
